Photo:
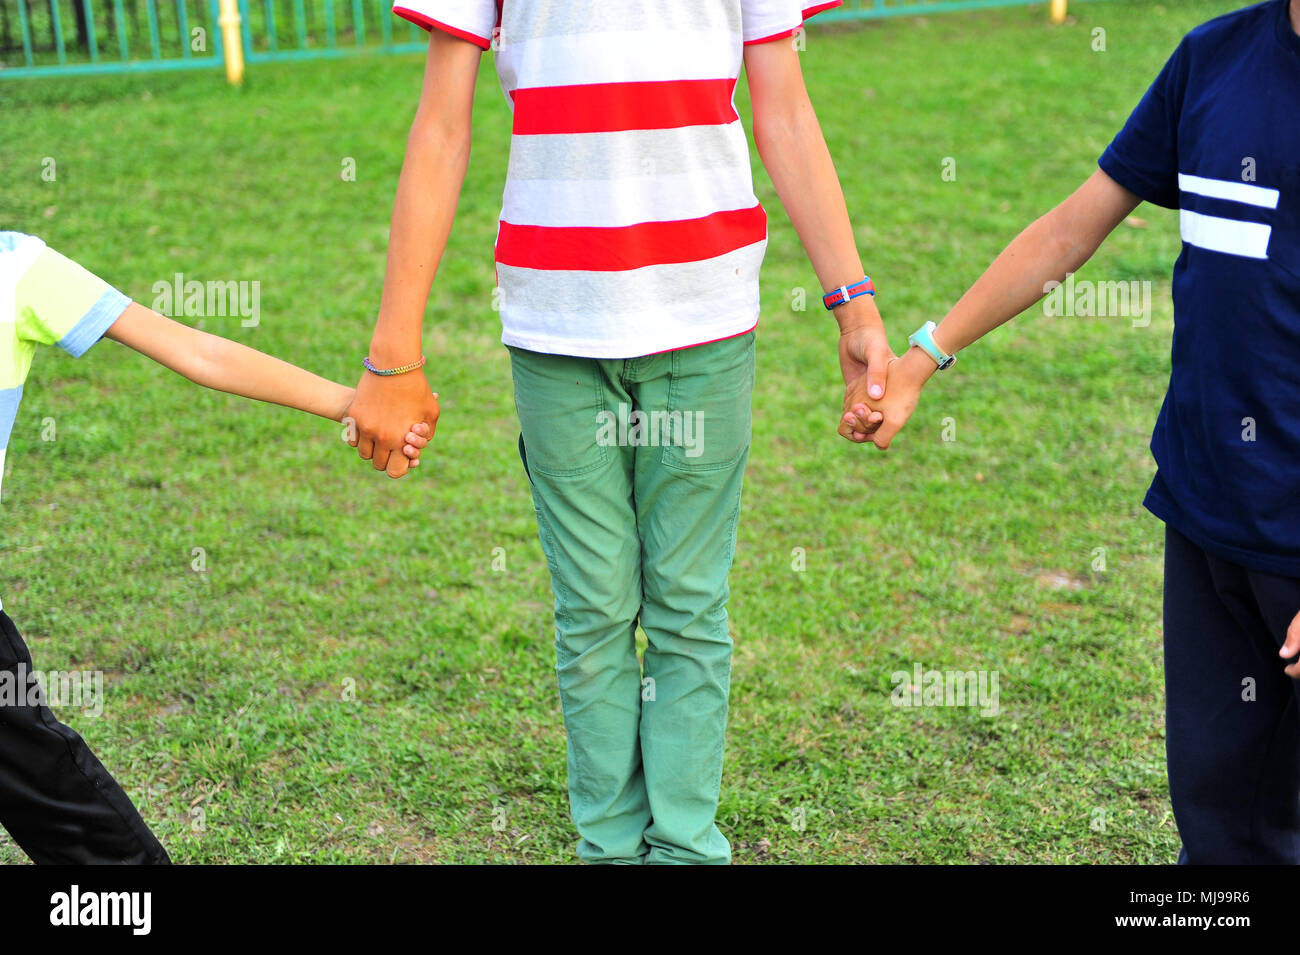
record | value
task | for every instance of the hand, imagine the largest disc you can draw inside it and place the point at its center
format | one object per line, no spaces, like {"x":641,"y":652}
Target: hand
{"x":864,"y":356}
{"x":416,"y":440}
{"x":380,"y":403}
{"x":1291,"y":647}
{"x":867,"y":419}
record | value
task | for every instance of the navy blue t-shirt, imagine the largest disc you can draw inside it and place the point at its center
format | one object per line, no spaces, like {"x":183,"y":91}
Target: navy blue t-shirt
{"x":1218,"y":138}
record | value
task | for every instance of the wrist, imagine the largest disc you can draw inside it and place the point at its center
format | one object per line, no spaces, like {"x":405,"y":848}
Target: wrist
{"x":940,"y":338}
{"x":390,"y":352}
{"x":393,"y":384}
{"x":916,"y":366}
{"x":925,"y":339}
{"x":338,"y":402}
{"x":374,"y":369}
{"x":857,"y":313}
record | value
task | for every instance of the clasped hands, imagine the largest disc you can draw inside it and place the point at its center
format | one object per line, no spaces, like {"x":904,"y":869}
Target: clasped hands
{"x":373,"y":417}
{"x":881,"y":390}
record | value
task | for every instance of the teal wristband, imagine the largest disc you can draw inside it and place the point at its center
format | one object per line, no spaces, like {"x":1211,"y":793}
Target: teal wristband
{"x":923,"y":338}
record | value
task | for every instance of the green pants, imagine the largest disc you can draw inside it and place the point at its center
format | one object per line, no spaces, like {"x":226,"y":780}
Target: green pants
{"x":636,"y":468}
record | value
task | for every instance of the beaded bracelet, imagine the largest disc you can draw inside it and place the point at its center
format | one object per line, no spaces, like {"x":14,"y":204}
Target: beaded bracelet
{"x":385,"y":372}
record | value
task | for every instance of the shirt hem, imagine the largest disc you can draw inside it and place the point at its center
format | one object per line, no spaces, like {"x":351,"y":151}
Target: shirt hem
{"x":1171,"y":514}
{"x":92,"y":326}
{"x":806,"y":14}
{"x":1125,"y":176}
{"x":617,"y":350}
{"x":430,"y":24}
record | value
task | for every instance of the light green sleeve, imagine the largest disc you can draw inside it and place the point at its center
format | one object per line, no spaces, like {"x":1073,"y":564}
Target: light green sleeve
{"x":58,"y":302}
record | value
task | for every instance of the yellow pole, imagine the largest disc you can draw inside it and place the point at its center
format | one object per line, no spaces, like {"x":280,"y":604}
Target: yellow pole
{"x":1058,"y":11}
{"x":231,"y":39}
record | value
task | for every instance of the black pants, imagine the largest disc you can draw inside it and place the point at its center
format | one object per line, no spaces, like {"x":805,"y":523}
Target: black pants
{"x":56,"y":799}
{"x":1232,"y":715}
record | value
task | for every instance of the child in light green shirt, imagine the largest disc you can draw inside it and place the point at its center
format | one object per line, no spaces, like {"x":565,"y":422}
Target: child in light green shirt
{"x":56,"y":799}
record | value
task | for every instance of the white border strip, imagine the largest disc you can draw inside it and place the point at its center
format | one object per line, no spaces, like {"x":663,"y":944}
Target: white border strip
{"x":1248,"y":239}
{"x":1227,"y":189}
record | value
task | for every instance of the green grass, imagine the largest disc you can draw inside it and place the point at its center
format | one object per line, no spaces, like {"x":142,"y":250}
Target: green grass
{"x":227,"y":717}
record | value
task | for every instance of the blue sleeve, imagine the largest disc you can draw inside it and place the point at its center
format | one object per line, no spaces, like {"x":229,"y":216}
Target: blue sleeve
{"x":1143,"y":158}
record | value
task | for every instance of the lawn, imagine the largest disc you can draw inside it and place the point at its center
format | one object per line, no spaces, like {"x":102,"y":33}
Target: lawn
{"x":363,"y":669}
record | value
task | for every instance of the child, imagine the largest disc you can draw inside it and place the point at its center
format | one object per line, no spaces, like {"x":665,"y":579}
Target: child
{"x":1217,"y":138}
{"x":56,"y":799}
{"x":627,"y":254}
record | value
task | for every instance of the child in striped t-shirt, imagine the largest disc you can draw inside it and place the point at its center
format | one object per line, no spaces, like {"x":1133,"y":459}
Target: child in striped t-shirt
{"x":627,"y":255}
{"x":56,"y":799}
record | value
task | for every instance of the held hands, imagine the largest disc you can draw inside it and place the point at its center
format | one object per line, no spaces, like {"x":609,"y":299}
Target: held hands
{"x":867,"y":418}
{"x":379,"y":403}
{"x":415,"y":441}
{"x":865,"y":355}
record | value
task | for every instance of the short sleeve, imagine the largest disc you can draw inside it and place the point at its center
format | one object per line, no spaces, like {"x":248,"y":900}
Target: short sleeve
{"x":57,"y":302}
{"x":1143,"y":158}
{"x":764,"y":20}
{"x":472,"y":20}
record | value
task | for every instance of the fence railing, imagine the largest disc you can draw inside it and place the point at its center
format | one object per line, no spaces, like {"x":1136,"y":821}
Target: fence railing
{"x":66,"y":37}
{"x":877,"y":9}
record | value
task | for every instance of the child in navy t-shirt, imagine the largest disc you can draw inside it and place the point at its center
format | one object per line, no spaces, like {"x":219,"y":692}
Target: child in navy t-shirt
{"x":1216,"y":137}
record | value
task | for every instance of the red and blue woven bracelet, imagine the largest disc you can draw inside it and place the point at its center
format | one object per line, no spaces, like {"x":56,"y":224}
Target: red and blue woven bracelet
{"x":845,"y":292}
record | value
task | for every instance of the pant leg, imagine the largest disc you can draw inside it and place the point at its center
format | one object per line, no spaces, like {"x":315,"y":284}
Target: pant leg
{"x":582,"y":493}
{"x":1275,"y":829}
{"x":1232,"y":731}
{"x":688,"y":504}
{"x":56,"y":799}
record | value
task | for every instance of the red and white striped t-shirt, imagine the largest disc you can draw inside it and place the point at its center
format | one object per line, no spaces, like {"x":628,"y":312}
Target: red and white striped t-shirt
{"x":629,"y":223}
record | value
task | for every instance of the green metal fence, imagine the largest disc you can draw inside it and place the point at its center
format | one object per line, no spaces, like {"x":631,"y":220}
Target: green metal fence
{"x":877,"y":9}
{"x":298,"y":29}
{"x":62,"y":37}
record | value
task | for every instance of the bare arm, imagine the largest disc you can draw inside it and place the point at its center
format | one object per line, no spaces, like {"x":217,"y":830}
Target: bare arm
{"x":1058,"y":242}
{"x":437,"y":155}
{"x":215,"y":362}
{"x":794,"y":153}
